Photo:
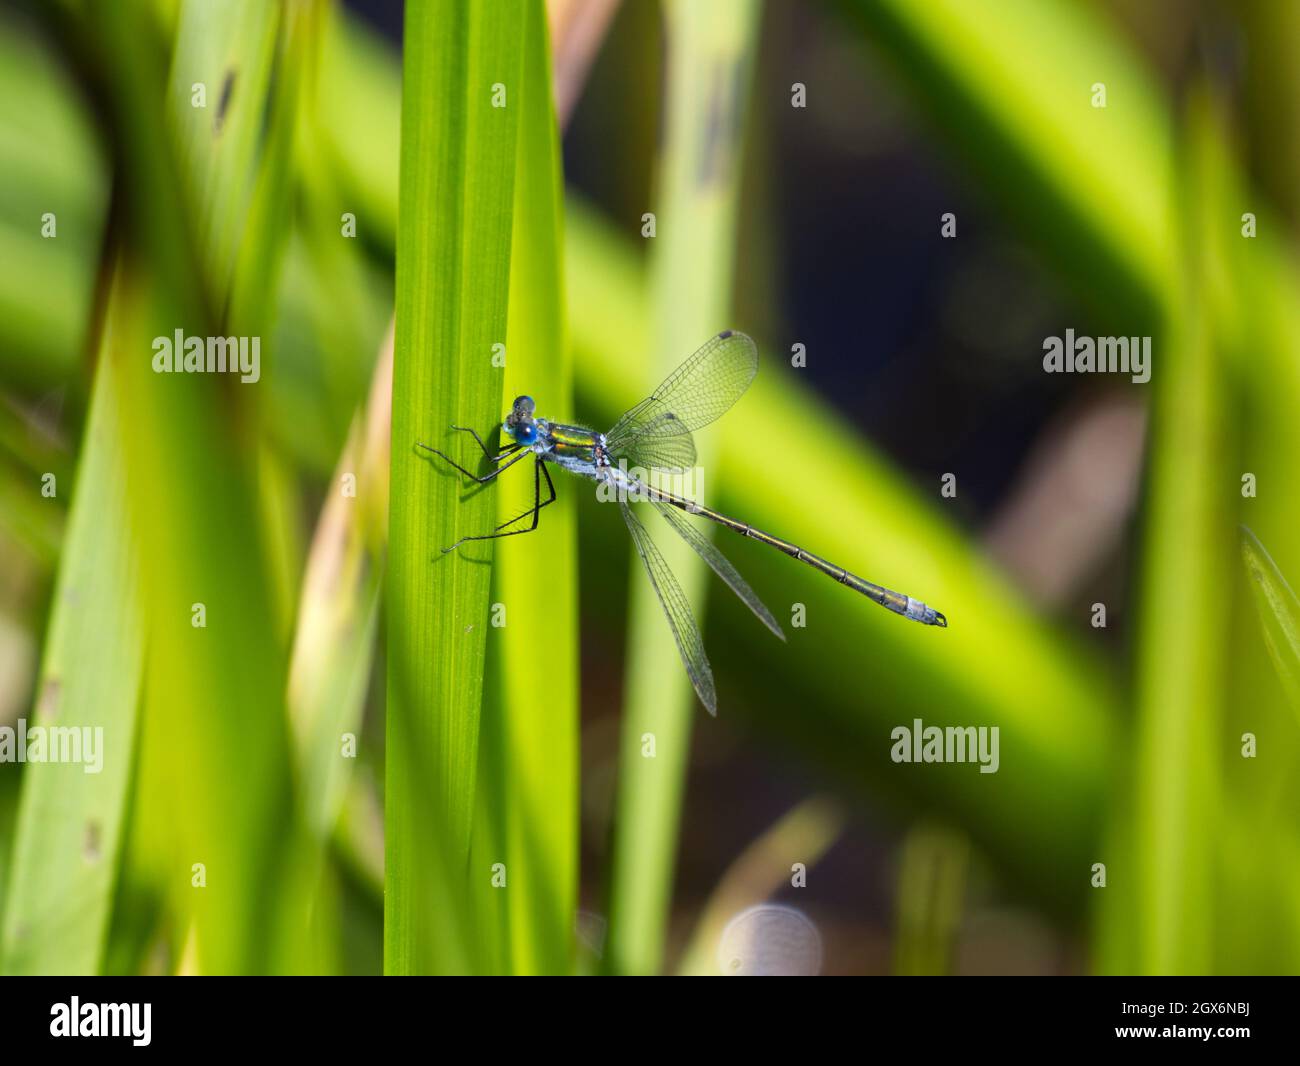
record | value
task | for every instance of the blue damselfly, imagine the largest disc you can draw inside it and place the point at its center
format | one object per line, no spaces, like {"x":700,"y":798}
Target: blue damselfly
{"x":656,"y":434}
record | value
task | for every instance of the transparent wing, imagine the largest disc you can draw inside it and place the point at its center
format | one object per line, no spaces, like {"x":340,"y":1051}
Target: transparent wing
{"x":690,"y":645}
{"x":663,"y":443}
{"x":720,"y":565}
{"x":656,"y":433}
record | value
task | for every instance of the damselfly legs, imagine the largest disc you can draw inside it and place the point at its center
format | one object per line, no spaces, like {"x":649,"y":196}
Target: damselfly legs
{"x":501,"y":462}
{"x":656,"y":434}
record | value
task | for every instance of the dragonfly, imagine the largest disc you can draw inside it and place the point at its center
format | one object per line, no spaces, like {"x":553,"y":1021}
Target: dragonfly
{"x":657,"y":435}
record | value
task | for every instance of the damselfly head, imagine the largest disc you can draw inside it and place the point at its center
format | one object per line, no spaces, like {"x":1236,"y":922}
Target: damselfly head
{"x":519,"y":422}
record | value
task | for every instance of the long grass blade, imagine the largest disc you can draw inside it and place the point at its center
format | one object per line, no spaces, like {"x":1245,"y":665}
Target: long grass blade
{"x":461,"y":85}
{"x":709,"y":55}
{"x":530,"y":759}
{"x":1182,"y":662}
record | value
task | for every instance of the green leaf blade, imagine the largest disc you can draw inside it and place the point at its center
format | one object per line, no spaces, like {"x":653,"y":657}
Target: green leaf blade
{"x":453,"y":269}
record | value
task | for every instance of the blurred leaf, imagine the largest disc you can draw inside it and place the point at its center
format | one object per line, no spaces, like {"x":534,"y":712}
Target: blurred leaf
{"x":30,"y":520}
{"x":71,"y":818}
{"x":1279,"y":612}
{"x":334,"y":646}
{"x":334,"y":313}
{"x":224,"y":50}
{"x":1181,"y":662}
{"x":52,"y":165}
{"x":929,"y":900}
{"x":259,"y":256}
{"x":214,"y":762}
{"x":351,"y":294}
{"x":361,"y":96}
{"x":1012,"y":85}
{"x":709,"y":57}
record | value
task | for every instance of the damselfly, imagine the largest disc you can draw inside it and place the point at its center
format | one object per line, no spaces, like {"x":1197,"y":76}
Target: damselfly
{"x":656,"y":435}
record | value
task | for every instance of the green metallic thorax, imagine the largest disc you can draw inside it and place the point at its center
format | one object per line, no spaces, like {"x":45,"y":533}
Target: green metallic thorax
{"x":573,"y":440}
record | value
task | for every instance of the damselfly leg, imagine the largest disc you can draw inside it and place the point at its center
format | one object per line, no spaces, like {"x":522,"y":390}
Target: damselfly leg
{"x":505,"y":460}
{"x":515,"y":451}
{"x":550,"y":488}
{"x":539,"y":472}
{"x":479,"y":441}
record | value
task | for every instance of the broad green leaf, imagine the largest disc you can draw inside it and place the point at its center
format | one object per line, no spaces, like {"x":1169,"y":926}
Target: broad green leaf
{"x":72,"y":815}
{"x":216,"y":833}
{"x":529,"y":759}
{"x":461,"y":90}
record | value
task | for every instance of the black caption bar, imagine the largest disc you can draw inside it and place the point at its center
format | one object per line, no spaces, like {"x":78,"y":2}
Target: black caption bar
{"x":336,"y":1015}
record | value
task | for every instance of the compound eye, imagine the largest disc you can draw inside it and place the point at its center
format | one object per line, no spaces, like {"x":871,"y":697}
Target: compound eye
{"x":524,"y":405}
{"x":526,"y":433}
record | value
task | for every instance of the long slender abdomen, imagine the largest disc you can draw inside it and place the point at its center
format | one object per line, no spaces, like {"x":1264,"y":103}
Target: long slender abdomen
{"x":888,"y":598}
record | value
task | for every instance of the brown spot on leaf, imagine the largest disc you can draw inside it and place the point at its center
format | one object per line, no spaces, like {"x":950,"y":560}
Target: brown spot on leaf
{"x":91,"y":850}
{"x":223,"y":102}
{"x":47,"y":707}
